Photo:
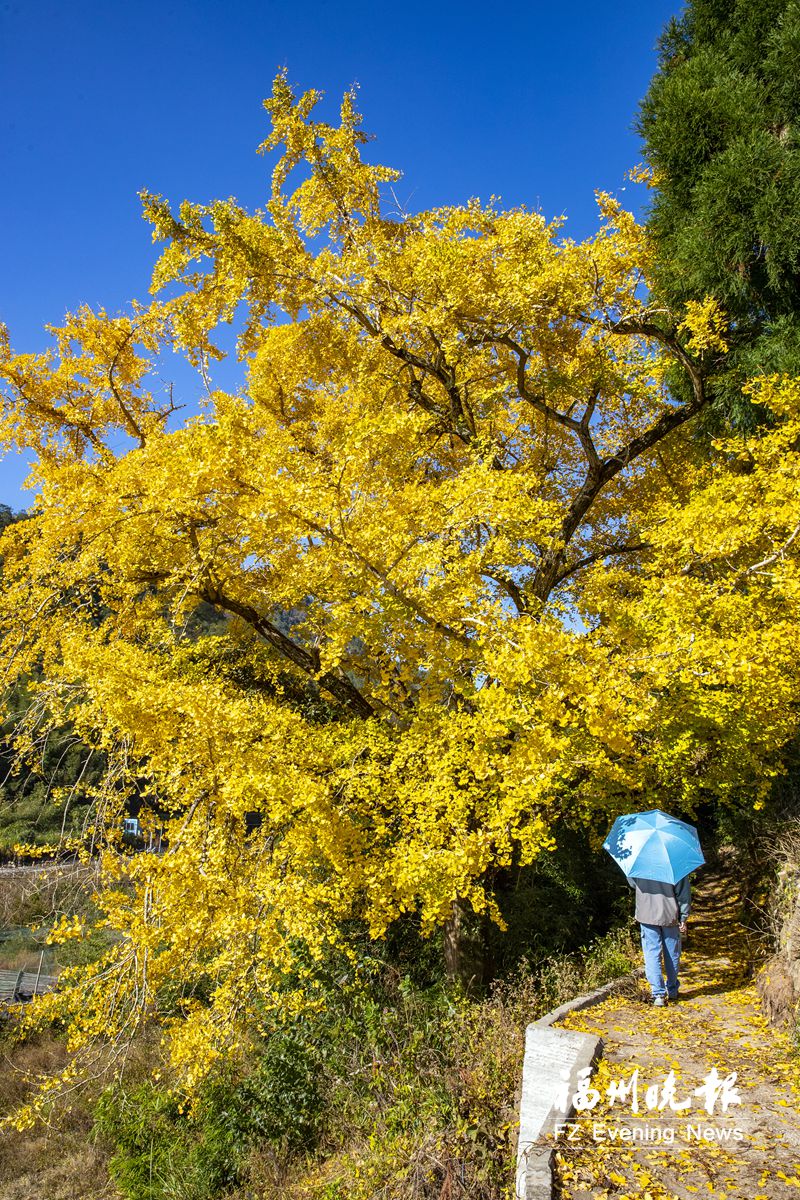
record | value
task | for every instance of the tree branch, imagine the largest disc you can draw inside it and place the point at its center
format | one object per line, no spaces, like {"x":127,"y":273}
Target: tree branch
{"x":771,"y":559}
{"x":308,"y":661}
{"x":601,"y":472}
{"x":130,"y":424}
{"x":463,"y":425}
{"x":639,"y":325}
{"x":535,"y":399}
{"x":512,"y":589}
{"x":392,"y":588}
{"x":611,"y":552}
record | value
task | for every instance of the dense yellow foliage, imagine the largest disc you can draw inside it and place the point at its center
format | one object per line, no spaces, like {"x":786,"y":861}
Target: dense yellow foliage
{"x":453,"y":499}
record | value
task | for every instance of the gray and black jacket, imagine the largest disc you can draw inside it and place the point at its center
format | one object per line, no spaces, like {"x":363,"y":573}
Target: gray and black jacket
{"x":662,"y":903}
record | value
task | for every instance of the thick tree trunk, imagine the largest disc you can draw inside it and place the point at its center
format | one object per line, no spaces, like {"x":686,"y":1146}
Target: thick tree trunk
{"x":466,"y":948}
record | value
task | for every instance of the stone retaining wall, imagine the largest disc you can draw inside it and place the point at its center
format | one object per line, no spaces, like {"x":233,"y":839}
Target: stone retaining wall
{"x":554,"y":1060}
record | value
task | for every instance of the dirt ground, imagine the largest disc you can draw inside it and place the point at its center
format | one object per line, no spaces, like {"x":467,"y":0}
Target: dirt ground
{"x":737,"y":1139}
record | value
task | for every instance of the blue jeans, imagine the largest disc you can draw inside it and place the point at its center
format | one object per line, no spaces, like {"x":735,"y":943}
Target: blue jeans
{"x":658,"y":940}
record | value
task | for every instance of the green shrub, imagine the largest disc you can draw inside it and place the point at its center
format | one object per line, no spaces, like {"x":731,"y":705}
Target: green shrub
{"x":387,"y":1089}
{"x":161,"y":1153}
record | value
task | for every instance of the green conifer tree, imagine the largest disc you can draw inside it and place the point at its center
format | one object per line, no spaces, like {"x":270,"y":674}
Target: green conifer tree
{"x":720,"y":123}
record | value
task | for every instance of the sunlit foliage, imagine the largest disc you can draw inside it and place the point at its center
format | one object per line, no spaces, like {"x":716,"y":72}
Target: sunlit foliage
{"x":474,"y":570}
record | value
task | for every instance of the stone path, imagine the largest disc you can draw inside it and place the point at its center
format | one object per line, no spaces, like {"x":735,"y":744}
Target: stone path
{"x":715,"y":1032}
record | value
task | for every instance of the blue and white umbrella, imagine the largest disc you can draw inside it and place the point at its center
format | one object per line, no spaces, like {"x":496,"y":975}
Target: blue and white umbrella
{"x":654,"y":845}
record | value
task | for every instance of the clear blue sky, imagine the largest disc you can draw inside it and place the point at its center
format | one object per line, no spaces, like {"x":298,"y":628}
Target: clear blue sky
{"x":532,"y":102}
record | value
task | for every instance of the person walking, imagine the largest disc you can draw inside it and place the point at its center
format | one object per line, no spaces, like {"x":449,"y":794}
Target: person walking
{"x":662,"y":910}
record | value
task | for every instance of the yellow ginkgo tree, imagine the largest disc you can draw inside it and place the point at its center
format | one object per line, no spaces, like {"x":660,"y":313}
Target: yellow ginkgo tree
{"x":472,"y":573}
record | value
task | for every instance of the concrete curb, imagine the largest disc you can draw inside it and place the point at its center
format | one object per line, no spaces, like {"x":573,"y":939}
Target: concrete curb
{"x":587,"y":1000}
{"x":554,"y":1060}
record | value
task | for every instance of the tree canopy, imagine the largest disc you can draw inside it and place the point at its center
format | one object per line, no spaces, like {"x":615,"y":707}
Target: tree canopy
{"x":475,"y":572}
{"x":720,"y":123}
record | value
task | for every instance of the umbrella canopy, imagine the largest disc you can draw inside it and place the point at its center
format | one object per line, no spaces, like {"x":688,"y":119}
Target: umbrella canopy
{"x":654,"y":845}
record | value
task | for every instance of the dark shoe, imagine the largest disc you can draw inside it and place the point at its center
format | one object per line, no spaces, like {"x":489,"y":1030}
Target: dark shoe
{"x":673,"y":999}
